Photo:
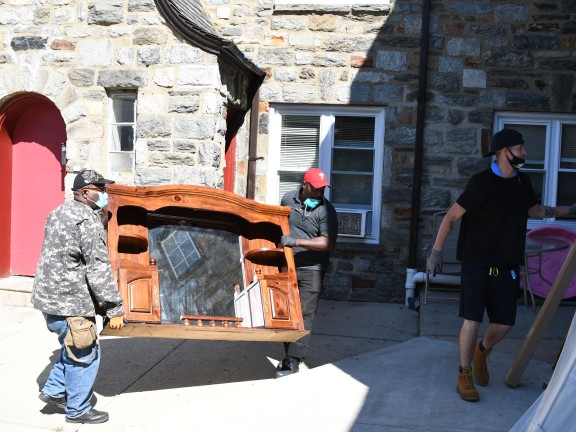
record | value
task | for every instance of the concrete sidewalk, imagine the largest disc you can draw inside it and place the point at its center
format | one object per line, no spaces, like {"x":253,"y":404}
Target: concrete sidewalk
{"x":373,"y":367}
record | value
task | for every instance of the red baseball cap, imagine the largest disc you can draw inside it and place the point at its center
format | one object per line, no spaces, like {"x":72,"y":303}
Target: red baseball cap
{"x":316,"y":177}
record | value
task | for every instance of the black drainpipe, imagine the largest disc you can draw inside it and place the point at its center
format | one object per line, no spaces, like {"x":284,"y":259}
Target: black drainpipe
{"x":419,"y":145}
{"x":252,"y":146}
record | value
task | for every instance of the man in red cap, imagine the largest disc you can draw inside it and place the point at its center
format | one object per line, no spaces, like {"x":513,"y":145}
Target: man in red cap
{"x":313,"y":232}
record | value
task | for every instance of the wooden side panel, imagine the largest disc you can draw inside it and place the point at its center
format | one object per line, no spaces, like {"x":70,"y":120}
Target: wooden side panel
{"x":141,"y":294}
{"x":279,"y":300}
{"x":281,"y":309}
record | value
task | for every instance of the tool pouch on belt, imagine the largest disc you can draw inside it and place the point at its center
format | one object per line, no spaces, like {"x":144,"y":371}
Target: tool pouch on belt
{"x":81,"y":335}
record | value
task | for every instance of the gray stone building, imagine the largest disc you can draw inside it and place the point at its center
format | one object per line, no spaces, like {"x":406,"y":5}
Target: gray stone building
{"x":145,"y":93}
{"x":395,"y":100}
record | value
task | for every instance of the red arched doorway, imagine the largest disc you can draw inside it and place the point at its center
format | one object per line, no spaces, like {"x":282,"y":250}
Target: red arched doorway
{"x":31,"y":172}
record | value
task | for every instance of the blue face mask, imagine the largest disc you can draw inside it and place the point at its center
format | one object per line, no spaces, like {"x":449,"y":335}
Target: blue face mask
{"x":102,"y":199}
{"x":311,"y":203}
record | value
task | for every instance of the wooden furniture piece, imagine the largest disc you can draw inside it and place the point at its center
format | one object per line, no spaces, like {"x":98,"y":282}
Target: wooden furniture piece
{"x":201,"y":263}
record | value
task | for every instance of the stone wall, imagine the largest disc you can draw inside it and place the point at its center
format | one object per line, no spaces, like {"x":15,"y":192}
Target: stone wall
{"x":74,"y":52}
{"x":484,"y":57}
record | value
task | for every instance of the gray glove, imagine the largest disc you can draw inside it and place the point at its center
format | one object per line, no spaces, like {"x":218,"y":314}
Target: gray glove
{"x":288,"y":241}
{"x":572,"y":210}
{"x":434,"y":264}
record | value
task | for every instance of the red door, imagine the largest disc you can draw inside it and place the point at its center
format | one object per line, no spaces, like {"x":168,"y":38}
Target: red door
{"x":36,"y":129}
{"x":5,"y":198}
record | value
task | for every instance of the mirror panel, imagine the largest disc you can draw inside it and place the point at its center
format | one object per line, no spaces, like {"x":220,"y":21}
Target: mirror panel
{"x":198,"y":269}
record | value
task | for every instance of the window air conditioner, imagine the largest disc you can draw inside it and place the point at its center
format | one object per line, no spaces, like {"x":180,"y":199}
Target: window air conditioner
{"x":351,"y":222}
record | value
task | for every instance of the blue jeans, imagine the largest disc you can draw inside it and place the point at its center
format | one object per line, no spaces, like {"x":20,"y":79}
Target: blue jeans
{"x":70,"y":378}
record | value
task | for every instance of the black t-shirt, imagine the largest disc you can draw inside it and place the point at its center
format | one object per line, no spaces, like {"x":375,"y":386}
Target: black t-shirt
{"x":306,"y":223}
{"x":493,"y":229}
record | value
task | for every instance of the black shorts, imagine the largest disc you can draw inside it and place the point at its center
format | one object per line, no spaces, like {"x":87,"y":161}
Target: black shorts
{"x":492,"y":289}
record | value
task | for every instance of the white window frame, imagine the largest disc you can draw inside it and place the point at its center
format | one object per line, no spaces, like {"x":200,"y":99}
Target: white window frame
{"x":553,"y":123}
{"x":112,"y":124}
{"x":327,"y":114}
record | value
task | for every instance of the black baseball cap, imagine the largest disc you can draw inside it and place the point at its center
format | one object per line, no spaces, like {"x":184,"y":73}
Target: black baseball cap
{"x":504,"y":138}
{"x":89,"y":177}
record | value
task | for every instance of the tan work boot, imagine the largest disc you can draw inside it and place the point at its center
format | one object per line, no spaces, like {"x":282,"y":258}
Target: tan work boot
{"x":466,"y":385}
{"x":480,"y":367}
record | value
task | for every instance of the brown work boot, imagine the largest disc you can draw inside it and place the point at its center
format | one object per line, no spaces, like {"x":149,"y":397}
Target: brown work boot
{"x":480,"y":367}
{"x":466,"y":385}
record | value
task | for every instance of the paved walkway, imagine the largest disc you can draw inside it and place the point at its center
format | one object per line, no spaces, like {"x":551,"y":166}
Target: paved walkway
{"x":373,"y":367}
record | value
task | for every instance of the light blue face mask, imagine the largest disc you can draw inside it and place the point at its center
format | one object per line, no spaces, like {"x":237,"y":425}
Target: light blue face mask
{"x":102,"y":199}
{"x":311,"y":203}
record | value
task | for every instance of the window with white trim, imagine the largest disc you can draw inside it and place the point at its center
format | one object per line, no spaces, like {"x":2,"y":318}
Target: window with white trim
{"x":550,"y":142}
{"x":121,"y":135}
{"x":347,"y":143}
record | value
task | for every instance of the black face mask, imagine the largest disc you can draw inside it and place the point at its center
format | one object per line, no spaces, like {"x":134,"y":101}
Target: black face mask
{"x":516,"y":162}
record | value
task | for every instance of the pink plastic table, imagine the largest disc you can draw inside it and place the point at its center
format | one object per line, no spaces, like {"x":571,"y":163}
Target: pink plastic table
{"x":542,"y":264}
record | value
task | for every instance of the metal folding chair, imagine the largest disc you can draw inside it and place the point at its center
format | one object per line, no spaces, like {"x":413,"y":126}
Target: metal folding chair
{"x":451,"y":268}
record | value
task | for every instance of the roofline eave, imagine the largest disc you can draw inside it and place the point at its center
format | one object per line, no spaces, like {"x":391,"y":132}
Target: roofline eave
{"x":224,"y":48}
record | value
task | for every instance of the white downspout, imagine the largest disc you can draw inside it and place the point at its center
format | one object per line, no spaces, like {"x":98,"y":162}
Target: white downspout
{"x":410,"y":285}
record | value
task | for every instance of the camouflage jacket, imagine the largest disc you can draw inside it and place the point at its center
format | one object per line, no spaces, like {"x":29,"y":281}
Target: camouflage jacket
{"x":74,"y":277}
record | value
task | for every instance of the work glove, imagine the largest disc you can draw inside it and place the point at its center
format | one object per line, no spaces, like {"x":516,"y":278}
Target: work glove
{"x":434,"y":264}
{"x":288,"y":241}
{"x":116,"y":322}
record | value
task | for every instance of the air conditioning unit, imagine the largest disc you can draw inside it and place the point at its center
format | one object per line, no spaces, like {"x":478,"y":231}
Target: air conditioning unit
{"x":351,"y":222}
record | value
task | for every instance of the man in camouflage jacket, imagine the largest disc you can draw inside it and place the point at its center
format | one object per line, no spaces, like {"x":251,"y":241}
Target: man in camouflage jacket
{"x":74,"y":278}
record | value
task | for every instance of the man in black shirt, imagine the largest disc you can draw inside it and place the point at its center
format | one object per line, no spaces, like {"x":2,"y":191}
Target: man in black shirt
{"x":494,"y":208}
{"x":313,"y":232}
